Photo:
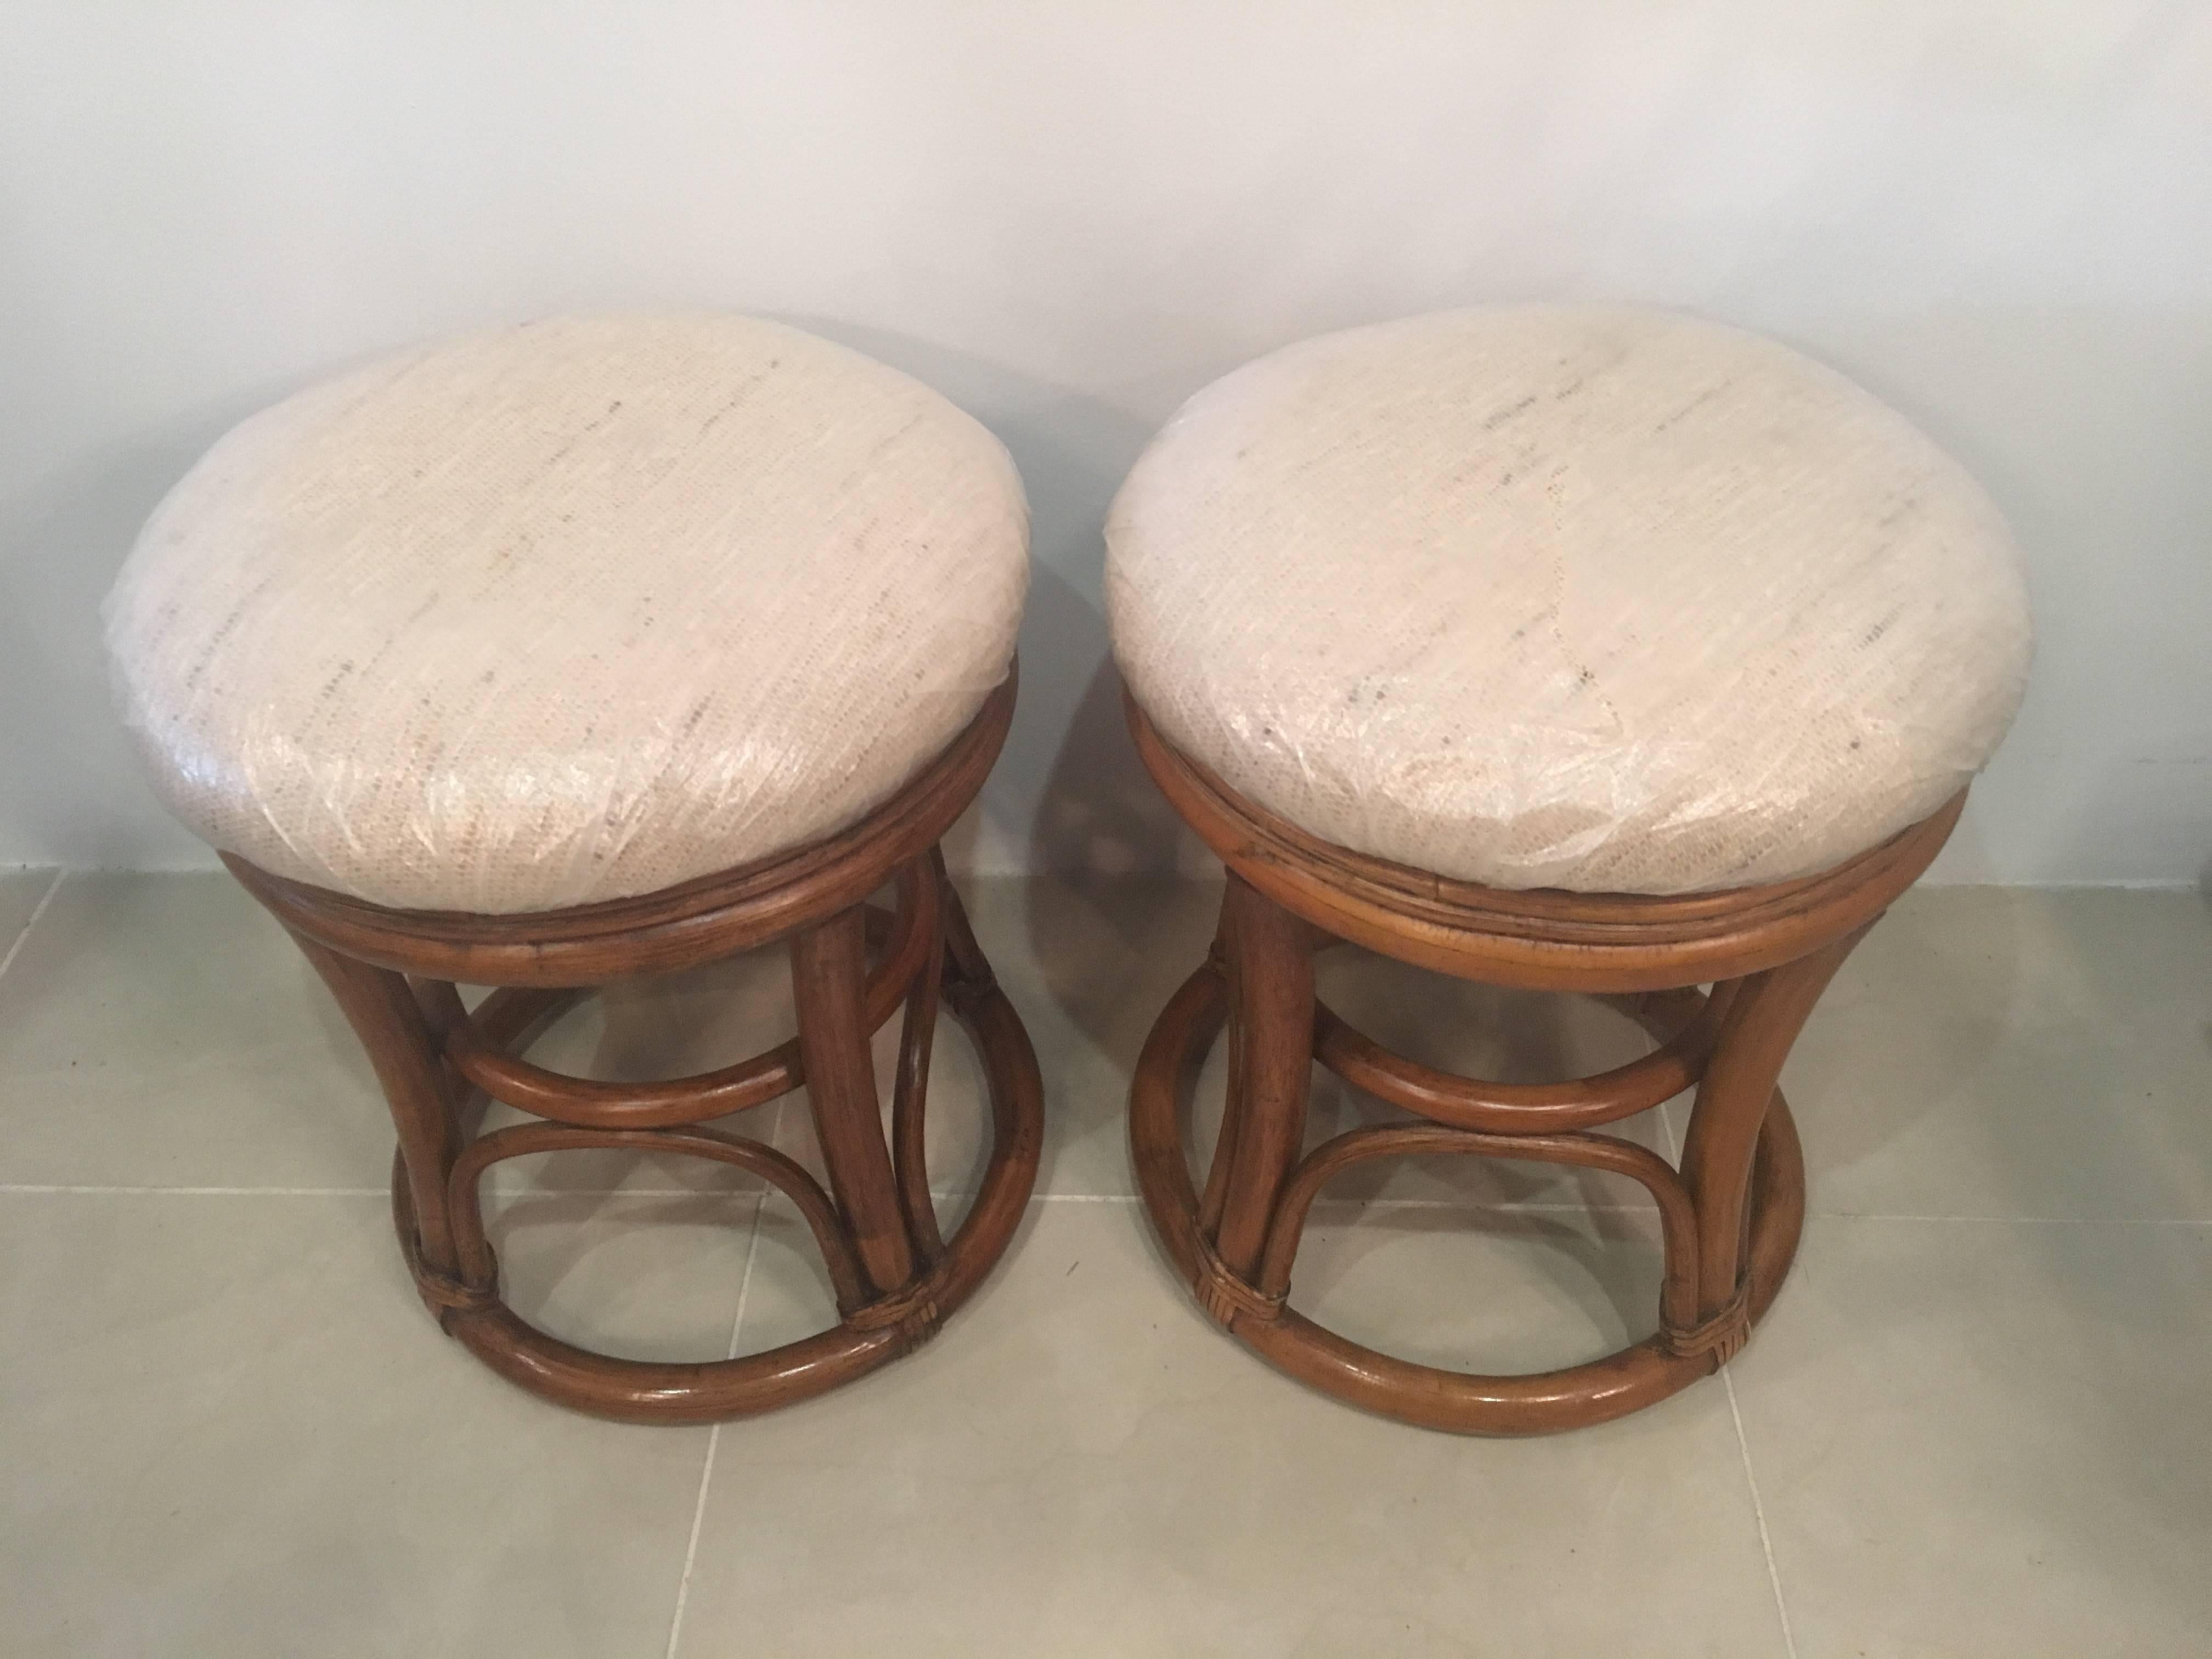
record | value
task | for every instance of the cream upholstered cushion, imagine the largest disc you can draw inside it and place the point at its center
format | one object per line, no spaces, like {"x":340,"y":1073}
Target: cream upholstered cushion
{"x":1600,"y":598}
{"x":569,"y":611}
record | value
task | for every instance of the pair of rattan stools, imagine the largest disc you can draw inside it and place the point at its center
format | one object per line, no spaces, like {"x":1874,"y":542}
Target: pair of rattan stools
{"x":1577,"y":648}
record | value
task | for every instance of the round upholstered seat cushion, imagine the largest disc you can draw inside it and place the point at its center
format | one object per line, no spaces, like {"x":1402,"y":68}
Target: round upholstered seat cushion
{"x":570,"y":612}
{"x":1600,"y":598}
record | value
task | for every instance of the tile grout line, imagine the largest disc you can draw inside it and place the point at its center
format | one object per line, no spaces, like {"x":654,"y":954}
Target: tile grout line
{"x":2020,"y":1221}
{"x":32,"y":920}
{"x":27,"y":1187}
{"x":1514,"y":1206}
{"x":714,"y":1434}
{"x":1742,"y":1442}
{"x":698,"y":1506}
{"x":1758,"y":1514}
{"x":41,"y":1188}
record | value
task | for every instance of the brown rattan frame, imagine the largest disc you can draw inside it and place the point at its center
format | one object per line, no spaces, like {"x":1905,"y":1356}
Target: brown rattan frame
{"x":396,"y":973}
{"x":1730,"y":1216}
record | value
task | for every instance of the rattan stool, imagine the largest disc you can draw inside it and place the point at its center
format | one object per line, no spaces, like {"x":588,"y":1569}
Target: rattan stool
{"x":1573,"y":650}
{"x":604,"y":647}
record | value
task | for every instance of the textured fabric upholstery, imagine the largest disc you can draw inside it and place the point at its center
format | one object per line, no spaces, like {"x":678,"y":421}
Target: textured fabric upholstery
{"x":1593,"y":598}
{"x":570,"y":612}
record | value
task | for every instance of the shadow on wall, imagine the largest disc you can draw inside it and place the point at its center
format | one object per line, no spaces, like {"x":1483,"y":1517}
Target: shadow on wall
{"x":1069,"y":807}
{"x":1067,"y":795}
{"x":69,"y":539}
{"x":1100,"y":814}
{"x":2087,"y":423}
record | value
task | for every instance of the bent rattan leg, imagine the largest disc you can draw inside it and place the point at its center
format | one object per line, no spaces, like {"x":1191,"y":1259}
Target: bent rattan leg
{"x":1739,"y":1201}
{"x":889,"y":1300}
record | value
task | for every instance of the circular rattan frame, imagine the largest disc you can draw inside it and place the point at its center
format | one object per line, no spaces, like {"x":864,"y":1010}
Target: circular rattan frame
{"x":1730,"y":1215}
{"x":396,"y":973}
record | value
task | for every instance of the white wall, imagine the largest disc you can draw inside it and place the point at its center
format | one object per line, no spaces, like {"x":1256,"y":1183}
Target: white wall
{"x":1995,"y":213}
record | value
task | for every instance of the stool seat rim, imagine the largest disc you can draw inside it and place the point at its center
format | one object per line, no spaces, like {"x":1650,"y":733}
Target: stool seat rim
{"x":676,"y":927}
{"x":1540,"y":937}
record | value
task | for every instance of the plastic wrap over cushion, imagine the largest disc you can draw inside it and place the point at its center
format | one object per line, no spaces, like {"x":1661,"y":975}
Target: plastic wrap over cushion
{"x":570,"y":612}
{"x":1599,"y":598}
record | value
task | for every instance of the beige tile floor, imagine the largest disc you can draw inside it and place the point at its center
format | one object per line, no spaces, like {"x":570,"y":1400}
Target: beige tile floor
{"x":1980,"y":1421}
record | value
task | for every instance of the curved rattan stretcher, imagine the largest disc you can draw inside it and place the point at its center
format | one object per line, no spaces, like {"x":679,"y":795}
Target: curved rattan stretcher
{"x":395,"y":974}
{"x":1729,"y":1217}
